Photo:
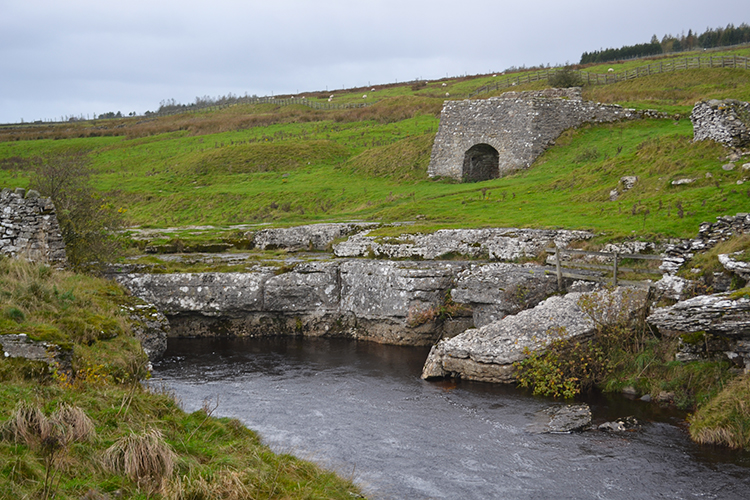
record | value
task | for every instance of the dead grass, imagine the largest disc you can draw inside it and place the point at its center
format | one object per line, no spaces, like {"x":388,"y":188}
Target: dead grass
{"x":27,"y":425}
{"x":30,"y":426}
{"x":77,"y":426}
{"x":144,"y":458}
{"x":223,"y":485}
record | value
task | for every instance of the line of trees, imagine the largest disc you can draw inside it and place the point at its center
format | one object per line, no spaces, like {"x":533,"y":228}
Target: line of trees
{"x":718,"y":37}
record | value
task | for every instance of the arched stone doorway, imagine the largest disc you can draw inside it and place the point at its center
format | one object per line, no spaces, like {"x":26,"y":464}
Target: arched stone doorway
{"x":481,"y":162}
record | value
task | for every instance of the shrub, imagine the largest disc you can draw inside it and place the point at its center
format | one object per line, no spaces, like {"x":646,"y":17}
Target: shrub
{"x":88,"y":223}
{"x":566,"y":77}
{"x":565,"y":366}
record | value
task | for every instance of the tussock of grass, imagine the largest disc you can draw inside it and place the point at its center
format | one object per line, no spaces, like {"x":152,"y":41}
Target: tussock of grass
{"x":144,"y":458}
{"x":726,"y":419}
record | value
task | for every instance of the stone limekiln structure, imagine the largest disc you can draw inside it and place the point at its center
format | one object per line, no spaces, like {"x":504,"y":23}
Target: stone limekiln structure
{"x":29,"y":228}
{"x":485,"y":139}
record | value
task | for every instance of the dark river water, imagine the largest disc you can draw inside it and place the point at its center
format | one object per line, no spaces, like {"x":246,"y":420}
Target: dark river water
{"x":361,"y":409}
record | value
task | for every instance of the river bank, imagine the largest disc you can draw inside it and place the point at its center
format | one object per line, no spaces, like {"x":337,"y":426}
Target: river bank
{"x":90,"y":365}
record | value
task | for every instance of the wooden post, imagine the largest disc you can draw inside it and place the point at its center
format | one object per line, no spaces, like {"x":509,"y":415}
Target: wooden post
{"x":557,"y":268}
{"x":614,"y":271}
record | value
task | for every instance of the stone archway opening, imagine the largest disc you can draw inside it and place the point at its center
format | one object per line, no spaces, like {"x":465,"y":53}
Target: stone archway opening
{"x":481,"y":163}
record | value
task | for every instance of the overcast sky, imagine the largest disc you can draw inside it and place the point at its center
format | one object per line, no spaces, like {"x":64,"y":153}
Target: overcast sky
{"x":84,"y":57}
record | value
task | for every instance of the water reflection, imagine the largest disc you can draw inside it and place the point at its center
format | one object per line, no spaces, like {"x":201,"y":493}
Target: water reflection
{"x":360,"y":408}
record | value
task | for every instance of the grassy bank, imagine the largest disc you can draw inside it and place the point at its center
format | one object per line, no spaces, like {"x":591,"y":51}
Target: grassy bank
{"x":94,"y":431}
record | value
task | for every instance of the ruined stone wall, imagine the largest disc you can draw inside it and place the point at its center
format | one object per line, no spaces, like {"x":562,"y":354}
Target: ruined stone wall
{"x":29,"y":228}
{"x":518,"y":125}
{"x":727,"y":122}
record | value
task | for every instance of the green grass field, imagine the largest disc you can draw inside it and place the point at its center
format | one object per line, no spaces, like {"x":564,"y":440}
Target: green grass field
{"x":261,"y":164}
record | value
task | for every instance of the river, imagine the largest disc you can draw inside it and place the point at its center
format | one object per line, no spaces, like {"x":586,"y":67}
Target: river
{"x":361,"y":409}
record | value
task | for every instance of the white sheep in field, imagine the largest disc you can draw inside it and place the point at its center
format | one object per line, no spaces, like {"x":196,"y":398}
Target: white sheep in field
{"x":611,"y":70}
{"x":445,"y":84}
{"x":364,"y":96}
{"x":372,"y":89}
{"x":330,"y":99}
{"x":447,"y":94}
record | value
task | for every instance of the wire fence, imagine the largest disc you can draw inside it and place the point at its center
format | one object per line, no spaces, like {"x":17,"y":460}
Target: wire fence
{"x":193,"y":108}
{"x":591,"y":78}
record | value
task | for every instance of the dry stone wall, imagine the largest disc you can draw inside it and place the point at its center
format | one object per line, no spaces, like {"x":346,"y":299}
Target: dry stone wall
{"x":727,"y":122}
{"x":489,"y":138}
{"x":29,"y":228}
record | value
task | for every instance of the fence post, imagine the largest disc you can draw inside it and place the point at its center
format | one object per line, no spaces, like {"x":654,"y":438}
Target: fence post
{"x":558,"y":269}
{"x":614,"y":271}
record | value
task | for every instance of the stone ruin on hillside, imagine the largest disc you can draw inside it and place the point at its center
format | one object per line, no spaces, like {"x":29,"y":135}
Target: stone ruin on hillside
{"x":726,"y":122}
{"x":484,"y":139}
{"x":29,"y":228}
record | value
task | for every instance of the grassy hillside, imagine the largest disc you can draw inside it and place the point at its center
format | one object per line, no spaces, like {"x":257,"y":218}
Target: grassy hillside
{"x":56,"y":426}
{"x":250,"y":164}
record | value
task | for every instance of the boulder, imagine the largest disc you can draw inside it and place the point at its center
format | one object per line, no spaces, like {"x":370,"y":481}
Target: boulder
{"x":488,"y":353}
{"x":561,"y":419}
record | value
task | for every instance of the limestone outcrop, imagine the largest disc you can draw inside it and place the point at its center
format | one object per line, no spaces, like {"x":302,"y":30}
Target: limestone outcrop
{"x":396,"y":302}
{"x":496,"y":290}
{"x":718,"y":314}
{"x":738,"y":267}
{"x":309,"y":237}
{"x":502,"y":244}
{"x":487,"y":354}
{"x":150,"y":327}
{"x":21,"y":346}
{"x":709,"y":326}
{"x":29,"y":228}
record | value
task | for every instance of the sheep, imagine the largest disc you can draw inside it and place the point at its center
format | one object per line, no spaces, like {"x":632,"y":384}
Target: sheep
{"x":445,"y":84}
{"x":611,"y":70}
{"x":364,"y":96}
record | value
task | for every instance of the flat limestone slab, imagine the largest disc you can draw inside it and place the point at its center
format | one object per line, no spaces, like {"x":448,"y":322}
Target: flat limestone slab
{"x":488,"y":353}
